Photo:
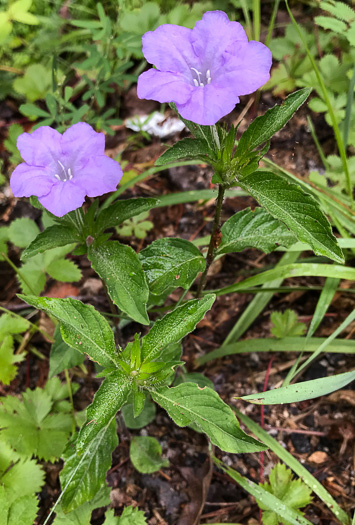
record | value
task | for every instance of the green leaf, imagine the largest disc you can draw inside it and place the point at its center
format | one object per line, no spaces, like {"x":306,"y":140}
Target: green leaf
{"x":62,"y":356}
{"x":256,"y":229}
{"x":23,"y":511}
{"x":186,"y":149}
{"x":287,"y":515}
{"x":264,"y":128}
{"x":23,"y":477}
{"x":64,"y":270}
{"x":83,"y":476}
{"x":145,"y":454}
{"x":286,"y":324}
{"x":10,"y":325}
{"x":339,"y":10}
{"x":170,"y":263}
{"x":145,"y":417}
{"x":131,"y":516}
{"x":174,"y":326}
{"x":194,"y":377}
{"x":82,"y":327}
{"x":120,"y":211}
{"x":298,"y":210}
{"x":35,"y":83}
{"x":200,"y":132}
{"x":30,"y":110}
{"x":22,"y":231}
{"x":302,"y":391}
{"x":189,"y":404}
{"x":119,"y":267}
{"x":110,"y":397}
{"x":82,"y":515}
{"x":29,"y":427}
{"x":326,"y":22}
{"x":8,"y":370}
{"x":294,"y":493}
{"x":52,"y":237}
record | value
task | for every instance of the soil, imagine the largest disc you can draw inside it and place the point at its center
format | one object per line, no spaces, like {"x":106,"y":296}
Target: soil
{"x":319,"y":433}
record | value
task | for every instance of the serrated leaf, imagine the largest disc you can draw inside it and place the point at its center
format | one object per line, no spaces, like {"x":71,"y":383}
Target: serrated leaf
{"x":52,"y":237}
{"x":119,"y":267}
{"x":22,"y":231}
{"x":189,"y":404}
{"x":298,"y":210}
{"x":64,"y":270}
{"x":171,"y":262}
{"x":11,"y":325}
{"x":62,"y":356}
{"x":120,"y":211}
{"x":25,"y":477}
{"x":145,"y":454}
{"x":339,"y":10}
{"x":254,"y":229}
{"x":30,"y":428}
{"x":83,"y":476}
{"x":186,"y":149}
{"x":335,"y":25}
{"x":23,"y":511}
{"x":82,"y":327}
{"x":82,"y":515}
{"x":302,"y":391}
{"x":110,"y":397}
{"x":294,"y":493}
{"x":174,"y":326}
{"x":131,"y":516}
{"x":286,"y":324}
{"x":8,"y":358}
{"x":264,"y":128}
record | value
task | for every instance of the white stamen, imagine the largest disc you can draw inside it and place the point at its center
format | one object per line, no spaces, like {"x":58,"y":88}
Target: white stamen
{"x":70,"y":174}
{"x":208,"y":74}
{"x":209,"y":80}
{"x":195,"y":82}
{"x":61,"y":165}
{"x":202,"y":84}
{"x":57,"y":177}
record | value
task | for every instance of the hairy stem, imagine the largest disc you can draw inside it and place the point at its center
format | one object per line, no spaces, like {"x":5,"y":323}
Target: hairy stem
{"x":215,"y":240}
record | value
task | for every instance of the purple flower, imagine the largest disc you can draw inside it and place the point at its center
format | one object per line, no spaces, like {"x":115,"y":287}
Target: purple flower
{"x":62,"y":169}
{"x":203,"y":70}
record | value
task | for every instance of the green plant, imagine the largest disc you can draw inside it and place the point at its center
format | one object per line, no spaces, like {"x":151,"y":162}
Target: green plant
{"x":10,"y":326}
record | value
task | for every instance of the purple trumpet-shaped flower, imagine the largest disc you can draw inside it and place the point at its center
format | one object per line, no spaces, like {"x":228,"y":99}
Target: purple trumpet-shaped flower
{"x":203,"y":70}
{"x":62,"y":169}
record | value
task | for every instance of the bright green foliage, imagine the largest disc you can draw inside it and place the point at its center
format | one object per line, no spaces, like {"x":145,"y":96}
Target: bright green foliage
{"x":22,"y":231}
{"x":35,"y":83}
{"x":62,"y":356}
{"x":119,"y":267}
{"x":188,"y":403}
{"x":31,"y":427}
{"x":256,"y":229}
{"x":10,"y":143}
{"x":298,"y":210}
{"x":170,"y":263}
{"x":4,"y":237}
{"x":83,"y":476}
{"x":136,"y":226}
{"x":9,"y":326}
{"x":293,"y":492}
{"x":341,"y":21}
{"x":82,"y":327}
{"x":194,"y":377}
{"x":145,"y":453}
{"x":129,"y":516}
{"x":82,"y":515}
{"x":16,"y":12}
{"x":22,"y":511}
{"x":8,"y":360}
{"x":52,"y":237}
{"x":286,"y":324}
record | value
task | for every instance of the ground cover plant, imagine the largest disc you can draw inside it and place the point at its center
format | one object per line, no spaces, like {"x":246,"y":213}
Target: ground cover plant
{"x":175,"y":356}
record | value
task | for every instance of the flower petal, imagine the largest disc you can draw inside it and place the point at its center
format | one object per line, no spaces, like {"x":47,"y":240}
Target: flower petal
{"x":248,"y":68}
{"x":63,"y":198}
{"x":208,"y":104}
{"x":41,"y":148}
{"x":31,"y":180}
{"x":80,"y":142}
{"x":212,"y":35}
{"x":163,"y":87}
{"x":100,"y":175}
{"x":169,"y":48}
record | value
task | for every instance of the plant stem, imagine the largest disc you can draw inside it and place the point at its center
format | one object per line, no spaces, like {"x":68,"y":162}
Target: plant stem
{"x":215,"y":240}
{"x":18,"y":272}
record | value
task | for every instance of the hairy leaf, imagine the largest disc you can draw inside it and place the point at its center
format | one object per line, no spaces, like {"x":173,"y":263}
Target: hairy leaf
{"x":119,"y":267}
{"x":254,"y":229}
{"x":8,"y":360}
{"x":52,"y":237}
{"x":298,"y":210}
{"x":189,"y":404}
{"x":170,"y":263}
{"x":82,"y":327}
{"x":62,"y":356}
{"x":120,"y":211}
{"x":185,"y":149}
